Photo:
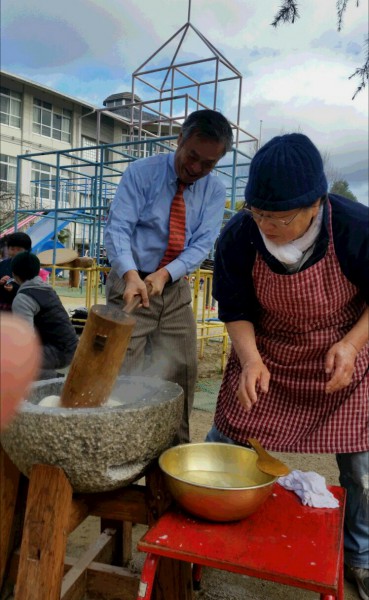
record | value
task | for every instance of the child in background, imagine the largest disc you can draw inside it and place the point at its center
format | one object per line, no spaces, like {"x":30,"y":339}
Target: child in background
{"x":38,"y":303}
{"x":15,"y":242}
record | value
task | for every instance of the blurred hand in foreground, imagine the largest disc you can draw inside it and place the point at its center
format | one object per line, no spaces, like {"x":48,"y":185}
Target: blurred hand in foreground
{"x":20,"y":358}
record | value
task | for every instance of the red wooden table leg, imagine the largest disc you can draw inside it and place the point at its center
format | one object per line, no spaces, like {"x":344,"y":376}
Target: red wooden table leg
{"x":340,"y":586}
{"x":341,"y":581}
{"x":147,"y":577}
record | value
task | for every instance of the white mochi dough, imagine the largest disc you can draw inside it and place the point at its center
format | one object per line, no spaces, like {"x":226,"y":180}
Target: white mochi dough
{"x":51,"y":401}
{"x":54,"y":402}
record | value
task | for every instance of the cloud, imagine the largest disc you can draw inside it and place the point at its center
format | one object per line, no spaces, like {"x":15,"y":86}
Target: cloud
{"x":295,"y":77}
{"x":38,"y":42}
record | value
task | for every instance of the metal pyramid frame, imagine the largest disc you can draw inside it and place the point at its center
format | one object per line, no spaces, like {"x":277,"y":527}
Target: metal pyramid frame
{"x":179,"y":87}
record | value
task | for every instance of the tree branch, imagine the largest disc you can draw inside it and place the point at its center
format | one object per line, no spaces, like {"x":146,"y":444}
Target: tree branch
{"x":362,"y":72}
{"x":341,"y":7}
{"x":287,"y":13}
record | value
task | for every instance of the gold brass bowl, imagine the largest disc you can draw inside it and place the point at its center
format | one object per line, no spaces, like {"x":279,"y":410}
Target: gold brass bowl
{"x":218,"y":482}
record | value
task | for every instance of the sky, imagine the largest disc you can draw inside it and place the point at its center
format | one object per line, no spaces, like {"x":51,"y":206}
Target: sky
{"x":295,"y":77}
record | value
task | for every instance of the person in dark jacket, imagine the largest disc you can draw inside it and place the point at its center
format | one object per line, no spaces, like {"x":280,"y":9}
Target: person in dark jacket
{"x":38,"y":303}
{"x":291,"y":280}
{"x":15,"y":243}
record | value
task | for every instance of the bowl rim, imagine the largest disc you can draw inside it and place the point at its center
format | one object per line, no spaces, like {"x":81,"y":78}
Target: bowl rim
{"x":212,"y":487}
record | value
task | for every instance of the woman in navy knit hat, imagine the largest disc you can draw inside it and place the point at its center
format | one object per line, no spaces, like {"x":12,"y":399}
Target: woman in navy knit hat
{"x":291,"y":280}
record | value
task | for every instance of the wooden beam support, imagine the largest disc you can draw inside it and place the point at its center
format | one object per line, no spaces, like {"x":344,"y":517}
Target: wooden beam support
{"x":75,"y":579}
{"x":102,"y":580}
{"x":127,"y":543}
{"x":9,"y":477}
{"x":173,"y":580}
{"x":124,"y":504}
{"x":78,"y":513}
{"x":41,"y":564}
{"x":53,"y":512}
{"x":111,"y":583}
{"x":158,"y":499}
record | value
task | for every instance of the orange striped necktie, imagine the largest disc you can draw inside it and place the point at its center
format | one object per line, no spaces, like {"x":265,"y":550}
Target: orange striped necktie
{"x":177,"y":227}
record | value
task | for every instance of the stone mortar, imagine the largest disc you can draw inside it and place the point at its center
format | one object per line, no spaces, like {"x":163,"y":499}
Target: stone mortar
{"x":102,"y":448}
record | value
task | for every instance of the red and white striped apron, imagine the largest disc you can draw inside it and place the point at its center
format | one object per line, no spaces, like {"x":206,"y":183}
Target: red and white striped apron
{"x":303,"y":315}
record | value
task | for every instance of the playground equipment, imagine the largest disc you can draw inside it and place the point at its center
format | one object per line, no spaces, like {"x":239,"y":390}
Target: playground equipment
{"x":9,"y":227}
{"x":83,"y":180}
{"x":82,"y":205}
{"x":46,"y":229}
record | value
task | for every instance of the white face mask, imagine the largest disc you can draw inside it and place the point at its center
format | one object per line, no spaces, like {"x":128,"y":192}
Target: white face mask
{"x":292,"y":252}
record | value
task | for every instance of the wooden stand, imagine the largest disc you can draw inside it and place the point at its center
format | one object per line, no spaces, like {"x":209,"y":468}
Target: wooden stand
{"x":41,"y":571}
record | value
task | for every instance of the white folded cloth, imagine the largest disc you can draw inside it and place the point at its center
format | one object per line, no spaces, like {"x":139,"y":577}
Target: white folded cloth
{"x":310,"y":487}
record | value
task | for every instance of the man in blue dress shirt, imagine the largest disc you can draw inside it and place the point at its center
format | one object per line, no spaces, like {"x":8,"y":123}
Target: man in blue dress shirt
{"x":164,"y":339}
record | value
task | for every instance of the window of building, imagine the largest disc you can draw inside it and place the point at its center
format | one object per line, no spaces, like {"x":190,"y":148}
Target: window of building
{"x":140,"y":149}
{"x":88,"y":143}
{"x":51,"y":121}
{"x":11,"y":107}
{"x":8,"y":173}
{"x":43,"y":182}
{"x":91,"y":154}
{"x":43,"y":186}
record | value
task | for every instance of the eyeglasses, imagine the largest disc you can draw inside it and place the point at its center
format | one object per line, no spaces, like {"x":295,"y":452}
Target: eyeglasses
{"x":277,"y":221}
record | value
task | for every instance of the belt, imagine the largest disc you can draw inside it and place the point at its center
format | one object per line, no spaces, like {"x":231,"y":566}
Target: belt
{"x":143,"y":275}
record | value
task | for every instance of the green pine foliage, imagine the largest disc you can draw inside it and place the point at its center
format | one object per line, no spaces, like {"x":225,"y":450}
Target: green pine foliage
{"x":341,"y":187}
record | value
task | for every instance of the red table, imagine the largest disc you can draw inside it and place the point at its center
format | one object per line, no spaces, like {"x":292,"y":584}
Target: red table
{"x":283,"y":541}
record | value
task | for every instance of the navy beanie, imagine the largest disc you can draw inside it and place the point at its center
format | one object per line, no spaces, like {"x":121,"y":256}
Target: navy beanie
{"x":25,"y":265}
{"x":286,"y":173}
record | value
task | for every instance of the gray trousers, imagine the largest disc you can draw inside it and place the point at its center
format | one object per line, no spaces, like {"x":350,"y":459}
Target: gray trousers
{"x":53,"y":358}
{"x":163,"y":342}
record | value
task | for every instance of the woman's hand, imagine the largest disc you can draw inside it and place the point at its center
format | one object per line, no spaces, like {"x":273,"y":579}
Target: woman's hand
{"x":254,"y":375}
{"x":340,"y":361}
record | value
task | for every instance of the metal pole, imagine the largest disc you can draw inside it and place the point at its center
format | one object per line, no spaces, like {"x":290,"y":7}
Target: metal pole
{"x":261,"y":123}
{"x":216,"y":84}
{"x":17,"y":192}
{"x":98,"y":130}
{"x":57,"y":194}
{"x":234,"y":169}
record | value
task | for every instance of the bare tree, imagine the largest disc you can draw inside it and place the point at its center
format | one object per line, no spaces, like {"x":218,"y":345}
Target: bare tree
{"x":288,"y":13}
{"x":332,"y":174}
{"x":7,"y":204}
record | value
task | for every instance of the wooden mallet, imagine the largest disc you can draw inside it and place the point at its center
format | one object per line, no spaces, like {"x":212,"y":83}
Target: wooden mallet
{"x":99,"y":355}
